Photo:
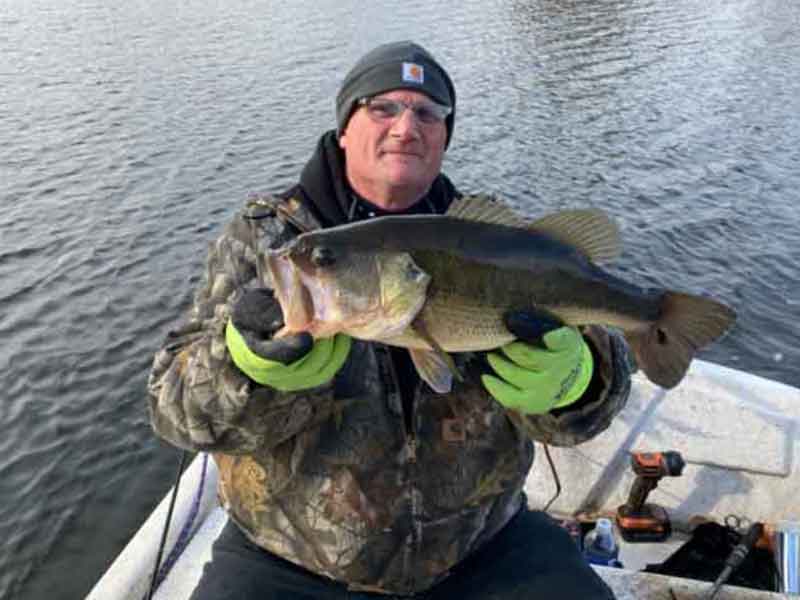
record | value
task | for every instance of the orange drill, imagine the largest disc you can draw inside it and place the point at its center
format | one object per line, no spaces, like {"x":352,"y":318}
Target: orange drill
{"x":640,"y":522}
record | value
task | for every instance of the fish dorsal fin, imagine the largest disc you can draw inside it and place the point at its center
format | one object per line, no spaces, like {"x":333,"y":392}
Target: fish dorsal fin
{"x":591,"y":231}
{"x":486,"y":210}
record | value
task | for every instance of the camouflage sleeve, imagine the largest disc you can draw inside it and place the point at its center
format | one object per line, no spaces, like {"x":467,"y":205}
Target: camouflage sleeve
{"x":605,"y":398}
{"x":198,"y":399}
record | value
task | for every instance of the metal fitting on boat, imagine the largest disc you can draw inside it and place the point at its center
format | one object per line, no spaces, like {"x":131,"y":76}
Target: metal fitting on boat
{"x":786,"y":541}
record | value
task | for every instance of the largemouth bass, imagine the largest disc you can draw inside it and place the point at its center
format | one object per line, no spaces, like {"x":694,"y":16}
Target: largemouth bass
{"x":437,"y":284}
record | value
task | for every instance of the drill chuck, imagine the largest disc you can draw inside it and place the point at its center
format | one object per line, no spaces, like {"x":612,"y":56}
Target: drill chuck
{"x":657,"y":464}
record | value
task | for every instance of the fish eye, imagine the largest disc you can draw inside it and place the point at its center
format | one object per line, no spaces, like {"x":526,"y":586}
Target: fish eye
{"x":413,"y":273}
{"x":322,"y":256}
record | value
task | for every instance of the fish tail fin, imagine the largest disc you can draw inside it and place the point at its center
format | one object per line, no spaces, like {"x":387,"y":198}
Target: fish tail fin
{"x":686,"y":324}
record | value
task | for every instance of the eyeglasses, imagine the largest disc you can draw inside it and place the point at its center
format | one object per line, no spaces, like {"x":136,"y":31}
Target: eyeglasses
{"x":383,"y":109}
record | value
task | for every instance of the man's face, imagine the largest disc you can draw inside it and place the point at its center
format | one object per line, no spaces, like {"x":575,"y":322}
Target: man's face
{"x":393,"y":162}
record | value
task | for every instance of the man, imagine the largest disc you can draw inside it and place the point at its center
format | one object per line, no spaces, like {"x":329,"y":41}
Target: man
{"x":345,"y":475}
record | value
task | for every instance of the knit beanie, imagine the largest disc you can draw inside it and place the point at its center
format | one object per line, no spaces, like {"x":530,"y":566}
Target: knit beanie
{"x":395,"y":66}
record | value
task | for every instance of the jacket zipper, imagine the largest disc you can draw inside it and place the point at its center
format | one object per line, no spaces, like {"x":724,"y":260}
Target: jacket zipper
{"x":411,"y":445}
{"x":411,"y":453}
{"x":408,"y":419}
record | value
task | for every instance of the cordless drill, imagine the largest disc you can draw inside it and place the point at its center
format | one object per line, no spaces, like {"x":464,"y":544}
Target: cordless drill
{"x":640,"y":522}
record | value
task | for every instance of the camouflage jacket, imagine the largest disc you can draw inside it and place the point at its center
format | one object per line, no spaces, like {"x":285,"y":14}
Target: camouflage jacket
{"x":334,"y":479}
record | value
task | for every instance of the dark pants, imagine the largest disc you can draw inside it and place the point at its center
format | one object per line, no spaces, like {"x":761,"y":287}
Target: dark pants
{"x":532,"y":558}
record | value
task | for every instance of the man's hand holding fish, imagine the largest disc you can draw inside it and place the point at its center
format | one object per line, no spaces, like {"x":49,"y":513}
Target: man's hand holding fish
{"x":543,"y":369}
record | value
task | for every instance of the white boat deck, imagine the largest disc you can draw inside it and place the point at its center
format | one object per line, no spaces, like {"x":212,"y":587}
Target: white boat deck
{"x":737,"y":432}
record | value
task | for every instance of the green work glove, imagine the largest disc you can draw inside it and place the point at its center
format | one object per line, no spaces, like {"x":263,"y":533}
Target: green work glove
{"x":291,"y":363}
{"x":545,"y":368}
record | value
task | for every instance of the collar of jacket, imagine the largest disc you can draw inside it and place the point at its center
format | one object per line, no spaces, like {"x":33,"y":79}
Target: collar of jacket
{"x":328,"y":196}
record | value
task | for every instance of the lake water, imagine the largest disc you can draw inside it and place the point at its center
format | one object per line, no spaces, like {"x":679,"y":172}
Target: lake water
{"x":132,"y":130}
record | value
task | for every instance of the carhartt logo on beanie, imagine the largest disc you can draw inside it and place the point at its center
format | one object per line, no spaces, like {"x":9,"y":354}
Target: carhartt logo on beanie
{"x":413,"y":72}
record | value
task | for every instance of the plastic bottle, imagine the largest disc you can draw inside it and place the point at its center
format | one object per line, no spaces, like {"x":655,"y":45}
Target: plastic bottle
{"x":599,"y":545}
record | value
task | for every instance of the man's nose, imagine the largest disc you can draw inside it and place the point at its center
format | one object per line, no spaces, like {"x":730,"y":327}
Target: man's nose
{"x":406,"y":125}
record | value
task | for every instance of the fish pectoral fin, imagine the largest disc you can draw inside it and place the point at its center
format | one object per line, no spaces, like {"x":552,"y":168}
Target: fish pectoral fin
{"x":419,"y":327}
{"x":434,"y":365}
{"x":433,"y":369}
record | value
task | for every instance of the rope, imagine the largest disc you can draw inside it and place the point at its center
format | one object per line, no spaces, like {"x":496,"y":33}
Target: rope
{"x":554,"y":471}
{"x":160,"y":572}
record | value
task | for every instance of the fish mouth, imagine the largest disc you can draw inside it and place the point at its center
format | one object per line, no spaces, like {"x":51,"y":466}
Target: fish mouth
{"x":295,"y":300}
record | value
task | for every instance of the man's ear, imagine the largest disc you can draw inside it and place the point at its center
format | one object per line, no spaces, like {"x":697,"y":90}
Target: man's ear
{"x":343,"y":139}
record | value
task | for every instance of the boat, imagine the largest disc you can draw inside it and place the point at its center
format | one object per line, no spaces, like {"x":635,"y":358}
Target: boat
{"x":737,"y":433}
